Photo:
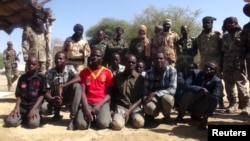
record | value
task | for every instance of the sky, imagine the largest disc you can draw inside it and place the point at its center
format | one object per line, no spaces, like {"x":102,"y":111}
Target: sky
{"x":90,"y":12}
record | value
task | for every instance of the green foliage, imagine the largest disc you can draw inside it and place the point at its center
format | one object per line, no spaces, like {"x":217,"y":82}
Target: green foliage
{"x":1,"y":61}
{"x":150,"y":17}
{"x":108,"y":25}
{"x":179,"y":16}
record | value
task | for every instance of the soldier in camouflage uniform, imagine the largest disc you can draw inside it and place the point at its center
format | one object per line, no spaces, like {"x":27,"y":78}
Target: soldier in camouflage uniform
{"x":9,"y":59}
{"x":157,"y":32}
{"x":245,"y":39}
{"x":184,"y":50}
{"x":77,"y":49}
{"x":208,"y":42}
{"x":102,"y":44}
{"x":140,"y":46}
{"x":166,"y":42}
{"x":234,"y":66}
{"x":119,"y":45}
{"x":34,"y":41}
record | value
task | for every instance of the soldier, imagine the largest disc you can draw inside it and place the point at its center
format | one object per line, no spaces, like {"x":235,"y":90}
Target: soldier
{"x":9,"y":59}
{"x":102,"y":44}
{"x":34,"y":41}
{"x":167,"y":41}
{"x":208,"y":42}
{"x":140,"y":46}
{"x":184,"y":50}
{"x":154,"y":48}
{"x":234,"y":66}
{"x":118,"y":44}
{"x":245,"y":39}
{"x":77,"y":48}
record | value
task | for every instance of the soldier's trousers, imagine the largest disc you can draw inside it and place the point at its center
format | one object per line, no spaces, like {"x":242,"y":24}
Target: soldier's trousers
{"x":11,"y":74}
{"x":234,"y":77}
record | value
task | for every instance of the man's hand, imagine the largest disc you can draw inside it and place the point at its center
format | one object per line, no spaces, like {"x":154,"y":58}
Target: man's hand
{"x":57,"y":101}
{"x":96,"y":109}
{"x":149,"y":98}
{"x":16,"y":111}
{"x":32,"y":114}
{"x":204,"y":91}
{"x":88,"y":116}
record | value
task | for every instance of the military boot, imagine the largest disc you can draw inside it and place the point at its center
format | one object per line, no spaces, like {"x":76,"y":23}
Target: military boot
{"x":245,"y":111}
{"x":231,"y":108}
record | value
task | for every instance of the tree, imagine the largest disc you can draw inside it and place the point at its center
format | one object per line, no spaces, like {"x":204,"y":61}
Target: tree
{"x":108,"y":25}
{"x":152,"y":16}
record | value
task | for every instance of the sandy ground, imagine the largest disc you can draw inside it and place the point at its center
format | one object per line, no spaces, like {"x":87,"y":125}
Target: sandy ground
{"x":56,"y":131}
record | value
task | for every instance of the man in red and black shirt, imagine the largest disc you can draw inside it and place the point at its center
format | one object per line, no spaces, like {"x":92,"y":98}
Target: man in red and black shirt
{"x":96,"y":81}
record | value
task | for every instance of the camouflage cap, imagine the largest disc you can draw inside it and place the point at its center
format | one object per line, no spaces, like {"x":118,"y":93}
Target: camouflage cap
{"x":9,"y":43}
{"x":167,"y":21}
{"x":246,"y":9}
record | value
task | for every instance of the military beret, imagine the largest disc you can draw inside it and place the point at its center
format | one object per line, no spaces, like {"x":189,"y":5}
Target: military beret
{"x":119,"y":27}
{"x":78,"y":27}
{"x":246,"y":9}
{"x":208,"y":18}
{"x":9,"y":43}
{"x":167,"y":21}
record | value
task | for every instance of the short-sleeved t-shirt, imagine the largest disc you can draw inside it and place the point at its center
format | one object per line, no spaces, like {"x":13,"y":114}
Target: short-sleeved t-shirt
{"x":29,"y":90}
{"x":96,"y":83}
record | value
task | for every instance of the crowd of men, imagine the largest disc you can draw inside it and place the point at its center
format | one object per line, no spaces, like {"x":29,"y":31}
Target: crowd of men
{"x":111,"y":82}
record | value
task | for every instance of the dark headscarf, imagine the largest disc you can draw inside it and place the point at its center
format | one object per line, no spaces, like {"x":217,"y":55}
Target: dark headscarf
{"x":228,"y":20}
{"x":78,"y":27}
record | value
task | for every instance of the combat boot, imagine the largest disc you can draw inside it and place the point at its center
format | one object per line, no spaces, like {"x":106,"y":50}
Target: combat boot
{"x":231,"y":108}
{"x":245,"y":108}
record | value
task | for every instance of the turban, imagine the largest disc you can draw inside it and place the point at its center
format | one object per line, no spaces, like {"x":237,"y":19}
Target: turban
{"x":78,"y":27}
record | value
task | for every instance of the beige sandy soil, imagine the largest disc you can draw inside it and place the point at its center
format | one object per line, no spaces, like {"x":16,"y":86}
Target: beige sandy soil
{"x":56,"y":131}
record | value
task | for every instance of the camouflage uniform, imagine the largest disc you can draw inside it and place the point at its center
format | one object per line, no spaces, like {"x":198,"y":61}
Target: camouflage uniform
{"x":11,"y":72}
{"x":75,"y":57}
{"x":35,"y":44}
{"x":120,"y":46}
{"x":166,"y":42}
{"x":138,"y":48}
{"x":103,"y":45}
{"x":209,"y":46}
{"x":245,"y":39}
{"x":185,"y":53}
{"x":234,"y":70}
